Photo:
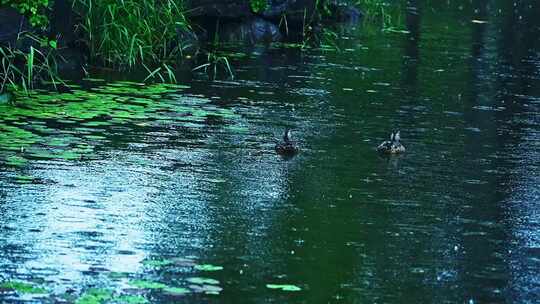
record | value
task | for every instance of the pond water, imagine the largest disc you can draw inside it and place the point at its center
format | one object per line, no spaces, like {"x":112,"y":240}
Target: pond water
{"x":121,"y":192}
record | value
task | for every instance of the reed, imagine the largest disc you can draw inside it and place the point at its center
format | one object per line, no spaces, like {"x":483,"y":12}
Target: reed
{"x":127,"y":33}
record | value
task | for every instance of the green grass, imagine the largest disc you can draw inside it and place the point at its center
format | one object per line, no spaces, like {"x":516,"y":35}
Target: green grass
{"x":128,"y":33}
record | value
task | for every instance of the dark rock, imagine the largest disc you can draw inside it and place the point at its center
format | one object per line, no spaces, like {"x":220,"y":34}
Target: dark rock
{"x":345,"y":14}
{"x":252,"y":31}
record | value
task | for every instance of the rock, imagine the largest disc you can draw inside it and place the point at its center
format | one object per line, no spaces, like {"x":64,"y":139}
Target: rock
{"x":252,"y":31}
{"x":347,"y":14}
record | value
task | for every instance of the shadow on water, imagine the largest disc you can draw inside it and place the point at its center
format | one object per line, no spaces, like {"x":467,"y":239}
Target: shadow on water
{"x":126,"y":192}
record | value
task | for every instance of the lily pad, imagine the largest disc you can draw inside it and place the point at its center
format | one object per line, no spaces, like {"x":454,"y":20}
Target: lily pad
{"x":131,"y":299}
{"x":143,"y":284}
{"x":24,"y":179}
{"x":207,"y":289}
{"x":283,"y":287}
{"x":22,"y":287}
{"x":157,"y":263}
{"x":95,"y":296}
{"x":208,"y":267}
{"x":176,"y":291}
{"x":16,"y":161}
{"x":202,"y":281}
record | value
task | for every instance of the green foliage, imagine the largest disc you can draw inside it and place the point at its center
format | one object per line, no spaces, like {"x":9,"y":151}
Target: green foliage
{"x":258,"y":6}
{"x":125,"y":33}
{"x":20,"y":70}
{"x":33,"y":9}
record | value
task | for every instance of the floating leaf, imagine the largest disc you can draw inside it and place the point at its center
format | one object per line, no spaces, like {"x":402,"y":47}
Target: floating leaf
{"x":177,"y":291}
{"x":143,"y":284}
{"x":94,"y":296}
{"x":157,"y":263}
{"x":22,"y":287}
{"x":284,"y":287}
{"x":16,"y":161}
{"x":207,"y":289}
{"x":197,"y":280}
{"x":208,"y":267}
{"x":131,"y":299}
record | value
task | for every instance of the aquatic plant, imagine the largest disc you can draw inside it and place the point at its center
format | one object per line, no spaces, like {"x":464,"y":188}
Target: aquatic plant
{"x":21,"y":70}
{"x":214,"y":61}
{"x":258,"y":6}
{"x":387,"y":14}
{"x":22,"y":287}
{"x":126,"y":33}
{"x":283,"y":287}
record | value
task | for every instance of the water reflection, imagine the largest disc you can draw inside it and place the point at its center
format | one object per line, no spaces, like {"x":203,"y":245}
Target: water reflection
{"x":192,"y":174}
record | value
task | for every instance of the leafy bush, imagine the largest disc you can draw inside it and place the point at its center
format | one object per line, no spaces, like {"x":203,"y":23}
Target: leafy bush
{"x":33,"y":9}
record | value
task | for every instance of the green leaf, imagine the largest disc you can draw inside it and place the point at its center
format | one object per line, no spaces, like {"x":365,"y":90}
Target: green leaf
{"x":53,"y":44}
{"x":202,"y":281}
{"x":142,"y":284}
{"x":208,"y":267}
{"x":22,"y":287}
{"x":131,"y":299}
{"x":95,"y":296}
{"x":177,"y":291}
{"x":283,"y":287}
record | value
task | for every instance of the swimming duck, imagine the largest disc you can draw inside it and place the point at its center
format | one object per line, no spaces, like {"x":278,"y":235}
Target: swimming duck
{"x":287,"y":147}
{"x":392,"y":146}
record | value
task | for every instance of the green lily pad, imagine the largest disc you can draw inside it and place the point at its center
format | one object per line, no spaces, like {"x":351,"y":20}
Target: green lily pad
{"x":24,"y":179}
{"x":208,"y":267}
{"x":283,"y":287}
{"x":176,"y":291}
{"x":131,"y":299}
{"x":16,"y":161}
{"x":197,"y":280}
{"x":118,"y":275}
{"x":22,"y":287}
{"x":207,"y":289}
{"x":143,"y":284}
{"x":94,"y":296}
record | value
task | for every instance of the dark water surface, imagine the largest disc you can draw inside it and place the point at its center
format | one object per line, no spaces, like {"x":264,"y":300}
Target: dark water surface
{"x":115,"y":187}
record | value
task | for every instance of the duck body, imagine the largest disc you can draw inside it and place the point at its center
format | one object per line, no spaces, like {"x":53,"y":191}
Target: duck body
{"x":392,"y":146}
{"x":287,"y":147}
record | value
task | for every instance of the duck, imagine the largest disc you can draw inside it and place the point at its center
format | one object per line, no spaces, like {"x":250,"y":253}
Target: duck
{"x":287,"y":147}
{"x":392,"y":146}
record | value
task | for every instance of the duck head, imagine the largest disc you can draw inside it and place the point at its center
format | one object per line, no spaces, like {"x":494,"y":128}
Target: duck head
{"x":287,"y":136}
